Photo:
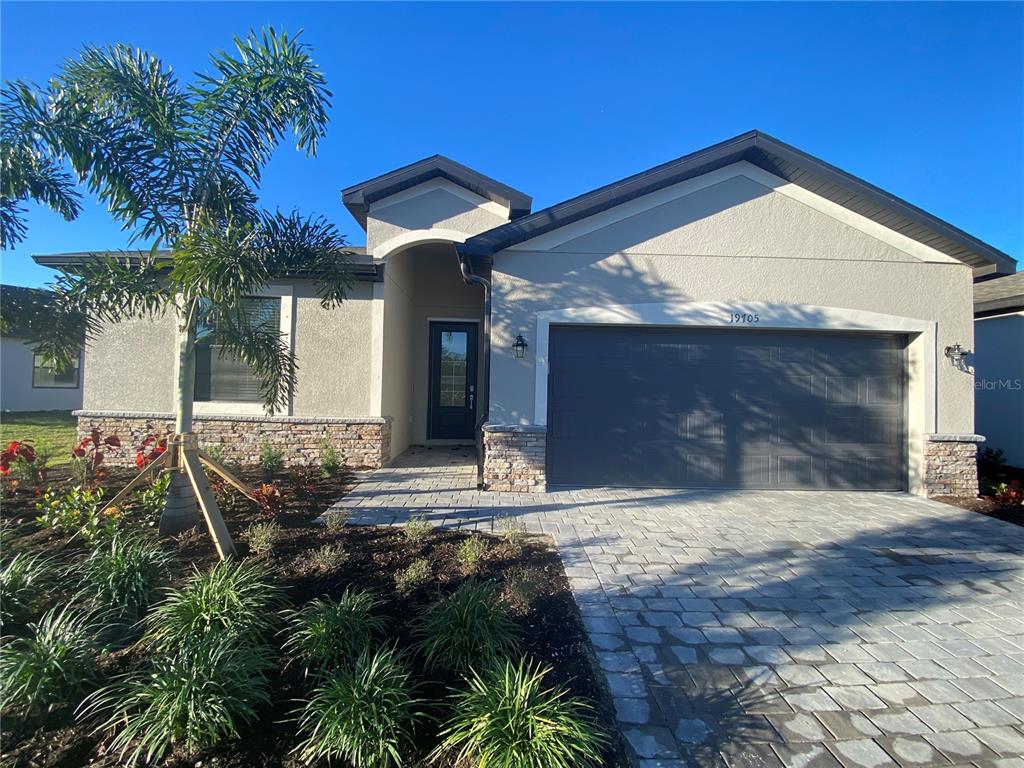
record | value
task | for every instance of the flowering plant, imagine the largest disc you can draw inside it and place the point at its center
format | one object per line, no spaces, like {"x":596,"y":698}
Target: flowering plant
{"x":91,"y":450}
{"x":150,"y":449}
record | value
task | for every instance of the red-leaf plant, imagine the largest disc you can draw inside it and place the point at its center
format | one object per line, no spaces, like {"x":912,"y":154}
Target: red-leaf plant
{"x":17,"y":449}
{"x":150,"y":449}
{"x":268,"y":497}
{"x":92,"y":449}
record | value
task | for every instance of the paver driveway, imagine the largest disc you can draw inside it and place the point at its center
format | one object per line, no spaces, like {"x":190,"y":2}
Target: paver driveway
{"x":768,"y":628}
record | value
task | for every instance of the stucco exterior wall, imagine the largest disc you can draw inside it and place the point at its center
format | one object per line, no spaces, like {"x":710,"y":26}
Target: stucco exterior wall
{"x":333,"y":352}
{"x":129,"y":366}
{"x":398,"y":364}
{"x":435,"y":205}
{"x":999,"y":383}
{"x":738,"y":240}
{"x":16,"y":390}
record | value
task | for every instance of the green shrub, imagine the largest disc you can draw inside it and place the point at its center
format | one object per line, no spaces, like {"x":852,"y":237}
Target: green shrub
{"x":469,"y":628}
{"x":24,"y":580}
{"x":417,"y":528}
{"x":522,"y":588}
{"x":407,"y":579}
{"x":512,"y":530}
{"x":76,"y":511}
{"x":335,"y":520}
{"x":506,"y":717}
{"x":153,"y":498}
{"x":262,"y":537}
{"x":125,"y":575}
{"x":471,"y":551}
{"x":44,"y":671}
{"x":330,"y":460}
{"x":231,"y":597}
{"x":327,"y":557}
{"x":196,"y":696}
{"x":271,"y":458}
{"x":326,"y":634}
{"x":365,"y":715}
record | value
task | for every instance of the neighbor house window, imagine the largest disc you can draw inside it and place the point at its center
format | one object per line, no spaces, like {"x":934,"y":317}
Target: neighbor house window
{"x":47,"y":377}
{"x":220,"y":376}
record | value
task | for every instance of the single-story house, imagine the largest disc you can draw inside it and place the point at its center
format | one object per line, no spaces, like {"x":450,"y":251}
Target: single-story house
{"x":26,"y":382}
{"x":745,"y":316}
{"x":999,"y":364}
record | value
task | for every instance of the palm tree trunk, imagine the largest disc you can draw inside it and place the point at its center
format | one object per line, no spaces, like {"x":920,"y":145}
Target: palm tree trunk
{"x":181,"y":512}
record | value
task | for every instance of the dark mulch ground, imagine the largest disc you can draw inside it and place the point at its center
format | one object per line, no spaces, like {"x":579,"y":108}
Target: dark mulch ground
{"x":988,"y":505}
{"x":550,"y":624}
{"x":993,"y":474}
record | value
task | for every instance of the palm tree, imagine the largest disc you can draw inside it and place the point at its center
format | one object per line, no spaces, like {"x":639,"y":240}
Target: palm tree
{"x":179,"y":167}
{"x":30,"y":169}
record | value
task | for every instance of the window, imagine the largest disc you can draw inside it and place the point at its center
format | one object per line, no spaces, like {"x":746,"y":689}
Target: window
{"x":47,"y":377}
{"x":453,"y":368}
{"x":220,"y":376}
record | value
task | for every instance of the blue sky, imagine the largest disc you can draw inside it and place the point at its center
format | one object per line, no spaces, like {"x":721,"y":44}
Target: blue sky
{"x":924,"y":100}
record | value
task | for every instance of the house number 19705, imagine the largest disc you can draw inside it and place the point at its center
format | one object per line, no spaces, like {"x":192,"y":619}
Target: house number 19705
{"x":737,"y":317}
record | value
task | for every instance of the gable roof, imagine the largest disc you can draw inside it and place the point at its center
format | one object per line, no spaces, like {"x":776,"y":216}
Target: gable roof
{"x":774,"y":156}
{"x":1000,"y":294}
{"x":359,"y":197}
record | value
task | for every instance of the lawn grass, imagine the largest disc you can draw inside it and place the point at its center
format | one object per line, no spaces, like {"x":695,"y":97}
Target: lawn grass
{"x":52,"y":432}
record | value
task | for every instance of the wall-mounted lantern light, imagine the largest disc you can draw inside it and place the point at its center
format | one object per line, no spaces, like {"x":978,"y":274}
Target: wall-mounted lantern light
{"x":519,"y":347}
{"x":958,"y":357}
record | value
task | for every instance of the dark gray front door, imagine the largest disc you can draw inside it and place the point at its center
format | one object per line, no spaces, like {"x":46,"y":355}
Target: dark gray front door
{"x":722,"y":408}
{"x":452,"y":407}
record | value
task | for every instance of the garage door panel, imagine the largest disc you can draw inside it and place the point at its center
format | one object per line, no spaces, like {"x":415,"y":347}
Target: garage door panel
{"x":721,"y":408}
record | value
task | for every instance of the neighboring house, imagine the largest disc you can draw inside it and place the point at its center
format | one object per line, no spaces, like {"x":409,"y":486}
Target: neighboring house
{"x":746,"y":316}
{"x":999,"y":364}
{"x":26,"y":383}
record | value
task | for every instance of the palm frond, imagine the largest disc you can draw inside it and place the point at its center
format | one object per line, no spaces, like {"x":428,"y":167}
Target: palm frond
{"x":268,"y":85}
{"x":309,"y":247}
{"x":111,"y":287}
{"x":29,"y":167}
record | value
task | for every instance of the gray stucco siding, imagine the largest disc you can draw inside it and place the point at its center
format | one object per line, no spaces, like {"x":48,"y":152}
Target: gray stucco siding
{"x":735,"y":241}
{"x":16,"y":390}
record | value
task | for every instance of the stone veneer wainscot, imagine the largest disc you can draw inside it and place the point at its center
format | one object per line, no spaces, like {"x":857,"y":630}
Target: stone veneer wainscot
{"x":361,"y":443}
{"x":515,"y":457}
{"x":951,"y":465}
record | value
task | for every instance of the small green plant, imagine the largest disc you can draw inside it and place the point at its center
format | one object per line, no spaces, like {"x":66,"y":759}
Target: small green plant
{"x":271,"y":458}
{"x":153,"y":498}
{"x":125,"y":575}
{"x":233,"y":597}
{"x":335,"y":520}
{"x":471,"y":551}
{"x":327,"y":557}
{"x":364,"y":716}
{"x":522,"y":588}
{"x":219,"y":454}
{"x":24,"y":581}
{"x":76,"y":511}
{"x":407,"y":579}
{"x":43,"y":671}
{"x":469,"y":628}
{"x":507,"y":717}
{"x":327,"y":634}
{"x":417,"y":528}
{"x":263,"y":537}
{"x":330,"y":459}
{"x":195,"y":696}
{"x":512,"y":530}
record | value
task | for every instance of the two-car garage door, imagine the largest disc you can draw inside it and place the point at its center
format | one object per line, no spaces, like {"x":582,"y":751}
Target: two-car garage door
{"x":723,"y":408}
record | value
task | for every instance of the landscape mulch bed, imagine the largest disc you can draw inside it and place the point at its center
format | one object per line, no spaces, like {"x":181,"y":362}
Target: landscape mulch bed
{"x":987,"y":505}
{"x":551,"y":628}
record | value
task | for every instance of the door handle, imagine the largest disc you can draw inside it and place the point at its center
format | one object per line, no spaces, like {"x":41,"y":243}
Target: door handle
{"x":470,"y":399}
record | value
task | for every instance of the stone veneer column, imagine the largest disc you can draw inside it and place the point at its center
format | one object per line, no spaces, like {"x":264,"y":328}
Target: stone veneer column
{"x":361,"y":443}
{"x":515,"y":457}
{"x":951,"y":465}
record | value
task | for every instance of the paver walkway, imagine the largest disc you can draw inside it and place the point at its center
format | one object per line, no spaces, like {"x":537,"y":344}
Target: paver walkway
{"x":772,"y":628}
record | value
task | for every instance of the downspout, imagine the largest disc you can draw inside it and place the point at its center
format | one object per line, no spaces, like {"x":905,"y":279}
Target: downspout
{"x":484,"y":395}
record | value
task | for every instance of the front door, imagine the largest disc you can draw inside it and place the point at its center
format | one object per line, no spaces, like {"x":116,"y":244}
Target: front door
{"x":452,"y":412}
